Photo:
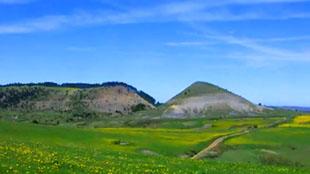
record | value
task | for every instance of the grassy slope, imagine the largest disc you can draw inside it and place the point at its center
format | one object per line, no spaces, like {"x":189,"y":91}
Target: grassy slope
{"x":54,"y":117}
{"x":219,"y":124}
{"x":202,"y":92}
{"x":281,"y":145}
{"x":198,"y":89}
{"x":42,"y":149}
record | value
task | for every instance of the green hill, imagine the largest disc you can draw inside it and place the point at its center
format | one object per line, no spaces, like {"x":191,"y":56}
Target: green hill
{"x":197,"y":89}
{"x":205,"y":99}
{"x":51,"y":103}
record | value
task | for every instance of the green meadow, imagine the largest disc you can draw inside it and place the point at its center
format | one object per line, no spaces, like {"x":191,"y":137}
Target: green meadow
{"x":282,"y":145}
{"x":164,"y":147}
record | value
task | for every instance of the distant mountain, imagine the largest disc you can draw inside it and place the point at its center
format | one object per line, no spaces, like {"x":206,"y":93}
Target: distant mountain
{"x":205,"y":99}
{"x":80,"y":98}
{"x":294,"y":108}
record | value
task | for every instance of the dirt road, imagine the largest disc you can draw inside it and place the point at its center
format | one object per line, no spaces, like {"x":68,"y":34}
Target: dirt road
{"x":217,"y":142}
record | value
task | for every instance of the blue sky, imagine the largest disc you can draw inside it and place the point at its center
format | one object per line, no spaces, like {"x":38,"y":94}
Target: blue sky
{"x":259,"y":49}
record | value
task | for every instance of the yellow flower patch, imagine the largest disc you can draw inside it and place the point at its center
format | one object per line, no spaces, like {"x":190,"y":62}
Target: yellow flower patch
{"x":303,"y":119}
{"x":295,"y":125}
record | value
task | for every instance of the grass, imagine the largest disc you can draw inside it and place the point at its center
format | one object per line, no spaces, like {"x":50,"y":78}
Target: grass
{"x":35,"y":158}
{"x":199,"y":88}
{"x":169,"y":142}
{"x":30,"y":148}
{"x":284,"y":145}
{"x":228,"y":123}
{"x":302,"y":121}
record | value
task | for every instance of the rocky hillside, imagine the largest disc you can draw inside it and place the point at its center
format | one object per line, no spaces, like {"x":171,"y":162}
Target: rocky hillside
{"x":110,"y":97}
{"x":205,"y":99}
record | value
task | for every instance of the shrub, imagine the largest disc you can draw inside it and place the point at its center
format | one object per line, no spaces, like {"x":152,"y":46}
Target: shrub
{"x":138,"y":107}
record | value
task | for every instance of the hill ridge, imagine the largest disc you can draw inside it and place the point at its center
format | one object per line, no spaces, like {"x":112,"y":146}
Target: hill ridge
{"x":79,"y":85}
{"x":203,"y":98}
{"x":113,"y":97}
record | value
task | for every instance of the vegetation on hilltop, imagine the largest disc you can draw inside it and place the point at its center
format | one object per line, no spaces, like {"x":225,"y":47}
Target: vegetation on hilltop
{"x":116,"y":104}
{"x":141,"y":93}
{"x":198,"y":89}
{"x":203,"y":99}
{"x":50,"y":103}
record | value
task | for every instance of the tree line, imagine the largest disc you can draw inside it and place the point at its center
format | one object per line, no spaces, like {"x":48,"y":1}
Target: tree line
{"x":141,"y":93}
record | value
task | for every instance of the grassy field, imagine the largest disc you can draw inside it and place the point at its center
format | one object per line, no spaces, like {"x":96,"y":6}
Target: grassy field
{"x":162,"y":148}
{"x":287,"y":144}
{"x":299,"y":121}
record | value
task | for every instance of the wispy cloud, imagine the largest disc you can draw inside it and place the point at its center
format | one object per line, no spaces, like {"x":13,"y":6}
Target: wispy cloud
{"x":52,"y":22}
{"x":283,"y":39}
{"x":225,"y":2}
{"x":253,"y":50}
{"x":202,"y":5}
{"x":215,"y":37}
{"x":186,"y":11}
{"x":15,"y":1}
{"x":48,"y":23}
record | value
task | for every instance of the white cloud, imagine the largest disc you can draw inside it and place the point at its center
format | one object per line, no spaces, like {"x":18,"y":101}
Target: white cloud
{"x":255,"y":51}
{"x":41,"y":24}
{"x":260,"y":1}
{"x":48,"y":23}
{"x":188,"y":11}
{"x":282,"y":39}
{"x":15,"y":1}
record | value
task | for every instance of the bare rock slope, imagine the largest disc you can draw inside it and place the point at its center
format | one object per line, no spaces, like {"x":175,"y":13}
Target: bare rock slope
{"x":117,"y":98}
{"x":205,"y":99}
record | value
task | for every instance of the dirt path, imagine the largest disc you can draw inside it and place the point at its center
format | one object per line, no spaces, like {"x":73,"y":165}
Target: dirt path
{"x":221,"y":139}
{"x":217,"y":142}
{"x":277,"y":123}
